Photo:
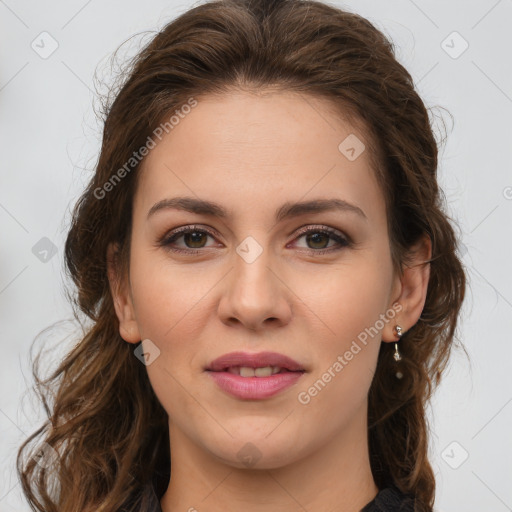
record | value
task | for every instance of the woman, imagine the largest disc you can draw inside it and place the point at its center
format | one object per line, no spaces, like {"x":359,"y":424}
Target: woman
{"x":272,"y":283}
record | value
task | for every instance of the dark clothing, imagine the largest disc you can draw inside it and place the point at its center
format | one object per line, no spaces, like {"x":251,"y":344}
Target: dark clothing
{"x":390,"y":499}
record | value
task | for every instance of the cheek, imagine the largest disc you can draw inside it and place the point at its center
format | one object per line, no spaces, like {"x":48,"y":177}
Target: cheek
{"x":347,"y":352}
{"x":167,"y":298}
{"x":350,"y":301}
{"x":346,"y":298}
{"x":169,"y":310}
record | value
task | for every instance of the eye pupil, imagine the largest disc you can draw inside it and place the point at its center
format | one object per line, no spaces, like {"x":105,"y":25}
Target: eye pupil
{"x":314,"y":238}
{"x":195,"y":235}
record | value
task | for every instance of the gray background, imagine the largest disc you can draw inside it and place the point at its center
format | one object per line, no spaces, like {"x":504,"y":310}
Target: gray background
{"x":50,"y":138}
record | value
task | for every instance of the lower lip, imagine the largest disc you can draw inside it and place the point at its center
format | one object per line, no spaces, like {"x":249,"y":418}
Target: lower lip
{"x":254,"y":388}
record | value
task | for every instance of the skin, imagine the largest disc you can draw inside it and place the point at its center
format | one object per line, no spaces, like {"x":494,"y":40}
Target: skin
{"x":251,"y":153}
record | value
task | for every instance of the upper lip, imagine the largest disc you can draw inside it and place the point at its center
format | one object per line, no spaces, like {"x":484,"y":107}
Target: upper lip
{"x":254,"y":360}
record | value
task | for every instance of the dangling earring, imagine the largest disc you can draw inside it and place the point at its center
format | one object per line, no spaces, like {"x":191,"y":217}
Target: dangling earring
{"x":397,"y":357}
{"x":398,"y":332}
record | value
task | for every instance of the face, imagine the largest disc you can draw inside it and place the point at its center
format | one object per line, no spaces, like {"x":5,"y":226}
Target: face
{"x":264,"y":277}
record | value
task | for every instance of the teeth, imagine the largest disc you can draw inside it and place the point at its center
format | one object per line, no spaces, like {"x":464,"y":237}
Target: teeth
{"x":247,"y":371}
{"x":263,"y":372}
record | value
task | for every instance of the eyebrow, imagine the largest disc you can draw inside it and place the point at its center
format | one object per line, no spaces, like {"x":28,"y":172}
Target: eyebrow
{"x":286,"y":211}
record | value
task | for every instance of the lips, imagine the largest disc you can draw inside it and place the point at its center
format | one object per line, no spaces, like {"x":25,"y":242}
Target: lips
{"x":259,"y":376}
{"x":236,"y":362}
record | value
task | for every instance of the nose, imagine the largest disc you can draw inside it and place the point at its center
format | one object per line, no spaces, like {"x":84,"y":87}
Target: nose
{"x":254,"y":295}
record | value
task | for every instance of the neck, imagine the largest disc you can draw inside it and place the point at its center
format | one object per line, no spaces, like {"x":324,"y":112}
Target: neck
{"x":335,"y":476}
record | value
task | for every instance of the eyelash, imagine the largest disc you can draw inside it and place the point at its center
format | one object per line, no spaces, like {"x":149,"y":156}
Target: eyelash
{"x":171,"y":237}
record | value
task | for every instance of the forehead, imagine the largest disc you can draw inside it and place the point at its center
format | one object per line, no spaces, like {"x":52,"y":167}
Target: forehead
{"x":250,"y":151}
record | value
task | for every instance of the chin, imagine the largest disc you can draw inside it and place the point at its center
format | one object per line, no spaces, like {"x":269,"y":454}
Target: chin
{"x":257,"y":452}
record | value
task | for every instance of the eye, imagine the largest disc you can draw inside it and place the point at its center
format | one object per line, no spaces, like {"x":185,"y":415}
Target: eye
{"x":193,"y":237}
{"x":317,"y":237}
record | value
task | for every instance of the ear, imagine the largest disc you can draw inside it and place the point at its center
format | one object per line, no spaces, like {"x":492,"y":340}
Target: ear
{"x":410,"y":289}
{"x":121,"y":296}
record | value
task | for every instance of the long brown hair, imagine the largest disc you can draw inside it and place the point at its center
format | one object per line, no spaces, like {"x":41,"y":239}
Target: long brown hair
{"x":107,"y":435}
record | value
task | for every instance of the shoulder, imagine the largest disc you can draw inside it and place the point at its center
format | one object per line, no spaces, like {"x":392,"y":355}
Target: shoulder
{"x":391,"y":499}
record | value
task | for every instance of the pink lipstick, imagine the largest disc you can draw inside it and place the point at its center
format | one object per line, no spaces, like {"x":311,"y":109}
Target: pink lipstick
{"x":254,"y":376}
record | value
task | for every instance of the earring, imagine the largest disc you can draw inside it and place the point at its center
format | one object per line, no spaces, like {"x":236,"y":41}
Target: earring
{"x":397,"y":357}
{"x":398,"y":332}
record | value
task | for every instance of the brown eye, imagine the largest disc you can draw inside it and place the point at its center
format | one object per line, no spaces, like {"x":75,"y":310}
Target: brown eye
{"x":317,"y":240}
{"x":193,"y":238}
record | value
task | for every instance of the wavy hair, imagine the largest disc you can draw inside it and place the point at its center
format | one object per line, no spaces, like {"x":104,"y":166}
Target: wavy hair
{"x":106,"y":432}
